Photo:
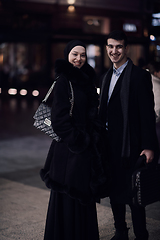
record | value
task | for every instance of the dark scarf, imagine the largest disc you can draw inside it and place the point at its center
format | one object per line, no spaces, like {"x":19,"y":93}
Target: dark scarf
{"x":125,"y":103}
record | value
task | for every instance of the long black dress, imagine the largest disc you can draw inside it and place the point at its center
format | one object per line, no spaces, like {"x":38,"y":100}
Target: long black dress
{"x":67,"y":219}
{"x":72,"y":209}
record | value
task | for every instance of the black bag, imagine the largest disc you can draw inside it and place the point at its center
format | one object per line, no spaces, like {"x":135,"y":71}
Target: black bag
{"x":146,"y":182}
{"x":42,"y":116}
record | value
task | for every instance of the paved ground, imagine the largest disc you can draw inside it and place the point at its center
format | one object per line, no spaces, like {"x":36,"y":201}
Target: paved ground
{"x":23,"y":196}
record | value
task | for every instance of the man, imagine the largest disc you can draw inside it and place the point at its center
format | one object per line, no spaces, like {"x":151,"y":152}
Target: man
{"x":127,"y":111}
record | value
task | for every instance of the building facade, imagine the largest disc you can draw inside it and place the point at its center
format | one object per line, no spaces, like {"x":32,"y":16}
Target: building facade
{"x":33,"y":34}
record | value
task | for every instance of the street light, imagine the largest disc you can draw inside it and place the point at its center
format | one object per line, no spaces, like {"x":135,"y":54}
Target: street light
{"x":71,"y":7}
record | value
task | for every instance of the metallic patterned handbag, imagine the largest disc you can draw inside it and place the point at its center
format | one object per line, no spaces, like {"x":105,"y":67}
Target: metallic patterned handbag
{"x":42,"y":116}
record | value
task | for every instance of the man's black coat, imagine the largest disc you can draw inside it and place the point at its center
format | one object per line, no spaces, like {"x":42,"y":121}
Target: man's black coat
{"x":142,"y":132}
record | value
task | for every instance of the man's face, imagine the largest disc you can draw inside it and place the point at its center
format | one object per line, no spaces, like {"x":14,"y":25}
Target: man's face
{"x":116,"y":52}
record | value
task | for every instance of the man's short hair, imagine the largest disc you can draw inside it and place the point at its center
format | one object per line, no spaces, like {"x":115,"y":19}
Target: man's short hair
{"x":118,"y":35}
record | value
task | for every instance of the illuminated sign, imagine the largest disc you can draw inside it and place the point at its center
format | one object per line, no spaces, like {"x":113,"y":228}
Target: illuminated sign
{"x":129,"y":27}
{"x":156,"y":19}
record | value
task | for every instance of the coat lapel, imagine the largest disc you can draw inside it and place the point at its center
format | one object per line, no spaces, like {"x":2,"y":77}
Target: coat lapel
{"x":104,"y":94}
{"x":105,"y":85}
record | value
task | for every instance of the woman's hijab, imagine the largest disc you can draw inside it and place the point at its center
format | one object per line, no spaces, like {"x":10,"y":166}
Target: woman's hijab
{"x":71,"y":45}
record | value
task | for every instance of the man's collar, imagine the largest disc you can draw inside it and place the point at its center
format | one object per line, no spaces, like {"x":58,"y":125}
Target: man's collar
{"x":119,"y":70}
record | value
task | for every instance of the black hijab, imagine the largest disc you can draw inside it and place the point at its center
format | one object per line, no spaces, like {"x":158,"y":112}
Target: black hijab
{"x":71,"y":45}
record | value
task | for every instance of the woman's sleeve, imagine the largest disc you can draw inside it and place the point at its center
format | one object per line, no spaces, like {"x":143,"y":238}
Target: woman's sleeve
{"x":62,"y":122}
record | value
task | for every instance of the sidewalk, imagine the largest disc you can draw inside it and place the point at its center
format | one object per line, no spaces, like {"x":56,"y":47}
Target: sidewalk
{"x":23,"y":211}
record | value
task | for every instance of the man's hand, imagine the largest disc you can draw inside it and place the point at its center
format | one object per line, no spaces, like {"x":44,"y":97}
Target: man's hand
{"x":149,"y":155}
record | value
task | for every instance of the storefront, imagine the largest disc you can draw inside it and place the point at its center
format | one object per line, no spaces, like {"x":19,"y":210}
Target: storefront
{"x":37,"y":34}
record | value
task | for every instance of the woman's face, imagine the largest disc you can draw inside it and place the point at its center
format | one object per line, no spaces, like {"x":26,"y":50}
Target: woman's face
{"x":77,"y":56}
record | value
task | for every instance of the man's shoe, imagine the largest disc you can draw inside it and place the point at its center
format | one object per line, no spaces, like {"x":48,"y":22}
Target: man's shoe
{"x":144,"y":237}
{"x":121,"y":235}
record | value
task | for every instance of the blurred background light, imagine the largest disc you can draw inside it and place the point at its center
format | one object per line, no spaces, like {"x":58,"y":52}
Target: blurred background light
{"x":23,"y":92}
{"x":98,"y":90}
{"x":152,"y":38}
{"x":158,"y":48}
{"x":156,"y":15}
{"x":71,"y":8}
{"x":128,"y":27}
{"x":71,"y":2}
{"x":12,"y":91}
{"x":35,"y":93}
{"x":1,"y":59}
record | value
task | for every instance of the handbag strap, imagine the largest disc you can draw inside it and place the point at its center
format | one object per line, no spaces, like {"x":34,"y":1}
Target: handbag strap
{"x":71,"y":99}
{"x":50,"y":90}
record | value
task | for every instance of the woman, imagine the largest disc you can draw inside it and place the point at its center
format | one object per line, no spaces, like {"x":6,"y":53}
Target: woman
{"x":73,"y":168}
